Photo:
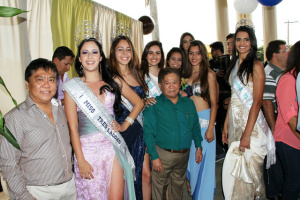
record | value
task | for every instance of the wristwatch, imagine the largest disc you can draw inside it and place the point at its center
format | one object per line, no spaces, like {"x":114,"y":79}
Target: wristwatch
{"x":199,"y":148}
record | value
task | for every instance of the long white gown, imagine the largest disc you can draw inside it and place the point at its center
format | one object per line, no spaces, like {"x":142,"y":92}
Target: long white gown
{"x":242,"y":172}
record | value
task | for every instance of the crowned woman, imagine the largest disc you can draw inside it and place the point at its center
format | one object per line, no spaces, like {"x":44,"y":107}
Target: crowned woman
{"x":104,"y":168}
{"x":124,"y":63}
{"x":245,"y":129}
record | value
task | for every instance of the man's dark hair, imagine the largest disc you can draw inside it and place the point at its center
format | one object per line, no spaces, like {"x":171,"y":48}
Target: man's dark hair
{"x":273,"y":47}
{"x":217,"y":45}
{"x":62,"y":52}
{"x":230,"y":35}
{"x":37,"y":64}
{"x":165,"y":71}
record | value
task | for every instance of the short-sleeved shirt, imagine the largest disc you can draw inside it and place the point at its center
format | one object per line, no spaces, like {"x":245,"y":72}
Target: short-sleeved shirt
{"x":223,"y":85}
{"x":60,"y":92}
{"x":298,"y":97}
{"x":287,"y":108}
{"x":171,"y":126}
{"x":272,"y":75}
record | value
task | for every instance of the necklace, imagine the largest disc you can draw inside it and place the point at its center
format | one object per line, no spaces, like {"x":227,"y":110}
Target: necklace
{"x":84,"y":80}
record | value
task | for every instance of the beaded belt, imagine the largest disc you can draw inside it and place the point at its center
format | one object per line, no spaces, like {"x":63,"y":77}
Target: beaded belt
{"x":177,"y":151}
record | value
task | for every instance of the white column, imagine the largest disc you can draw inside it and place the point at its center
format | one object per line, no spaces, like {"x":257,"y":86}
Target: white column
{"x":269,"y":24}
{"x":222,"y":20}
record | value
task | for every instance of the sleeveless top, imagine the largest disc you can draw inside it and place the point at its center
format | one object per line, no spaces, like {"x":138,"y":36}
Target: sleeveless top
{"x":85,"y":126}
{"x":194,"y":90}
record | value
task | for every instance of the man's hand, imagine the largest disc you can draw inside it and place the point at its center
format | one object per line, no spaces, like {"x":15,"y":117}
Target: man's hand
{"x":157,"y":166}
{"x":198,"y":156}
{"x":220,"y":73}
{"x":150,"y":101}
{"x":225,"y":135}
{"x":226,"y":102}
{"x":183,"y":93}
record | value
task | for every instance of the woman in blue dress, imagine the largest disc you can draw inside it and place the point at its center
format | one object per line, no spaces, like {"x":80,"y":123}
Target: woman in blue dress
{"x":201,"y":87}
{"x":124,"y":63}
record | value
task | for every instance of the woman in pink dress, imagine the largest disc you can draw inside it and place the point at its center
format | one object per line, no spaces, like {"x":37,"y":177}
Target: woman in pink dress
{"x":98,"y":163}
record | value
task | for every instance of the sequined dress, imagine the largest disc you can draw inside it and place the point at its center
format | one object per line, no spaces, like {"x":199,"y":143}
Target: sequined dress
{"x":242,"y":172}
{"x":98,"y":151}
{"x":133,"y":137}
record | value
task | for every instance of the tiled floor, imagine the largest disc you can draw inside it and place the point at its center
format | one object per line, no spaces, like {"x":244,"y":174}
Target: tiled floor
{"x":218,"y":195}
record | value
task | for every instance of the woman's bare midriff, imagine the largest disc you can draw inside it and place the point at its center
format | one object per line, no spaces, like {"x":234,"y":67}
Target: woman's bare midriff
{"x":200,"y":103}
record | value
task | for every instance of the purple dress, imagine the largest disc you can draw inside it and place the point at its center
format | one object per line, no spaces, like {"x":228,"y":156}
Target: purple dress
{"x":99,"y":152}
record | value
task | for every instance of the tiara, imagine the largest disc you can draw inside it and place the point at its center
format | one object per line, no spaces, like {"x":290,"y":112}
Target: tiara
{"x":120,"y":29}
{"x":245,"y":22}
{"x":85,"y":30}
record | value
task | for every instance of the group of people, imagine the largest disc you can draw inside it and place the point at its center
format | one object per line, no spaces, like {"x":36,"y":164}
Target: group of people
{"x":141,"y":129}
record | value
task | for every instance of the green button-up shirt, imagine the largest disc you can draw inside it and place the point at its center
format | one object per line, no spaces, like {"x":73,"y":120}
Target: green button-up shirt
{"x":171,"y":126}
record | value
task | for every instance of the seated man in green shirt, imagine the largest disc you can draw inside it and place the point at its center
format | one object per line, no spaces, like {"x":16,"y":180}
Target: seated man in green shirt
{"x":170,"y":125}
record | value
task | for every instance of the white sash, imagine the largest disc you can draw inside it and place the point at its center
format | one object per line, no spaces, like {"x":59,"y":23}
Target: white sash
{"x":203,"y":123}
{"x":246,"y":97}
{"x":153,"y":87}
{"x":129,"y":107}
{"x":95,"y":111}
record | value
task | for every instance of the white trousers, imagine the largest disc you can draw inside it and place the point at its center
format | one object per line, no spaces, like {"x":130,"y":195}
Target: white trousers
{"x":65,"y":191}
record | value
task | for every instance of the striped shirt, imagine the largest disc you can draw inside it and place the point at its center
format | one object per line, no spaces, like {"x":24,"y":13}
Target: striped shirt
{"x":45,"y":158}
{"x":272,"y":75}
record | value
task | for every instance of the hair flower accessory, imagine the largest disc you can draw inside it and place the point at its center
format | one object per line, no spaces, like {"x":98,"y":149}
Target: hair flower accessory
{"x":184,"y":83}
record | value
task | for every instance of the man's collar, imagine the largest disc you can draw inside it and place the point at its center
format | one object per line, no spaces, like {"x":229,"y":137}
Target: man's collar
{"x":64,"y":77}
{"x":29,"y":102}
{"x":278,"y":69}
{"x":165,"y":99}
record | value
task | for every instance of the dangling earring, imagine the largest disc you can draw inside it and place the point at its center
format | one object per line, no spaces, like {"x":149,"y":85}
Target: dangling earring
{"x":81,"y":69}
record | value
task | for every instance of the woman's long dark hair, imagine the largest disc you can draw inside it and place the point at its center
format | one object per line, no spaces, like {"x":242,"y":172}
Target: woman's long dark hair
{"x":203,"y":71}
{"x":293,"y":60}
{"x":104,"y":71}
{"x":133,"y":65}
{"x":246,"y":67}
{"x":145,"y":64}
{"x":181,"y":40}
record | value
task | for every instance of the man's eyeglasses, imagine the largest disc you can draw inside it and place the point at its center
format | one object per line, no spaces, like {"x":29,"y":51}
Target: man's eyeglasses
{"x":286,"y":50}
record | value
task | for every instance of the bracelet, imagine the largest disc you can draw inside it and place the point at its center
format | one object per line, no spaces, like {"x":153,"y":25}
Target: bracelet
{"x":129,"y":120}
{"x":199,"y":148}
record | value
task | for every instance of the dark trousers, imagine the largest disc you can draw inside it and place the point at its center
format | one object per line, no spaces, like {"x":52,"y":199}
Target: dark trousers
{"x":273,"y":178}
{"x":290,"y":159}
{"x":220,"y":119}
{"x":172,"y":177}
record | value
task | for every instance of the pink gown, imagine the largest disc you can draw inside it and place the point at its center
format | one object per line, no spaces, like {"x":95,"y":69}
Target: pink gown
{"x":99,"y":153}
